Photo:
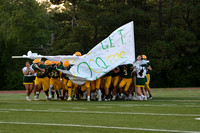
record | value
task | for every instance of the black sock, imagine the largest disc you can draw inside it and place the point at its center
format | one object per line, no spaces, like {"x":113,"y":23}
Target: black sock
{"x":47,"y":93}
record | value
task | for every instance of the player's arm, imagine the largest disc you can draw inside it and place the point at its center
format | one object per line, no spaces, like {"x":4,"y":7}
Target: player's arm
{"x":26,"y":72}
{"x":149,"y":68}
{"x":116,"y":70}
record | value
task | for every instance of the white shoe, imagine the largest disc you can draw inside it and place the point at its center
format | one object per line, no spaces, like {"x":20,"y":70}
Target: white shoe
{"x":145,"y":98}
{"x":130,"y":97}
{"x":69,"y":99}
{"x":99,"y":99}
{"x":28,"y":98}
{"x":36,"y":98}
{"x":134,"y":98}
{"x":106,"y":100}
{"x":150,"y":97}
{"x":114,"y":98}
{"x":75,"y":98}
{"x":88,"y":99}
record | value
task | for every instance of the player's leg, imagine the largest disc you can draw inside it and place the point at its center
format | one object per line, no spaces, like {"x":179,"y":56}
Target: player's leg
{"x":69,"y":85}
{"x":45,"y":86}
{"x":88,"y":87}
{"x":121,"y":85}
{"x":107,"y":86}
{"x":127,"y":87}
{"x":115,"y":83}
{"x":37,"y":86}
{"x":147,"y":86}
{"x":98,"y":83}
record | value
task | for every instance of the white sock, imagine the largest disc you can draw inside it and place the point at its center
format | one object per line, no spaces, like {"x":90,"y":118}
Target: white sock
{"x":50,"y":90}
{"x":99,"y":93}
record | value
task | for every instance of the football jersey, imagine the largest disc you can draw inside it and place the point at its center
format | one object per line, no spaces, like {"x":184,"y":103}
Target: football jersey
{"x":127,"y":70}
{"x":148,"y":64}
{"x":39,"y":73}
{"x":54,"y":72}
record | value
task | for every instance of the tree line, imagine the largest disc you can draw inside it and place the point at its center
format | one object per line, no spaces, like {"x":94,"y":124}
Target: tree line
{"x":166,"y":31}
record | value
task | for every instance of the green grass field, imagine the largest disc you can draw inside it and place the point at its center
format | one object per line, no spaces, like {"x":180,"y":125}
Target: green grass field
{"x":170,"y":110}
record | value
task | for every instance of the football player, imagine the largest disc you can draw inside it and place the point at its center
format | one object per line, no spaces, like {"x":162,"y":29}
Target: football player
{"x":41,"y":78}
{"x":147,"y":88}
{"x":65,"y":78}
{"x":54,"y":80}
{"x":106,"y":81}
{"x":126,"y":80}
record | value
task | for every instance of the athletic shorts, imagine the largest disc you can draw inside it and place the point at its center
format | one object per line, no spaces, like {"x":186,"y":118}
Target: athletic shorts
{"x":98,"y":83}
{"x":93,"y":85}
{"x":71,"y":84}
{"x":125,"y":82}
{"x":56,"y":83}
{"x":44,"y":81}
{"x":65,"y":81}
{"x":115,"y":80}
{"x":106,"y":81}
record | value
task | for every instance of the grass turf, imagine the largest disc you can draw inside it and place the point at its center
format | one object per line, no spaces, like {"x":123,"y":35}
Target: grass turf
{"x":170,"y":110}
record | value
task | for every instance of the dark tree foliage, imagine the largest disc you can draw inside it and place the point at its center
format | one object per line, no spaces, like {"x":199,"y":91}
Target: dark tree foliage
{"x":166,"y":31}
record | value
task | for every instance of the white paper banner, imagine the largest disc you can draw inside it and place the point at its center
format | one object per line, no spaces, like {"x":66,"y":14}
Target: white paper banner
{"x":117,"y":49}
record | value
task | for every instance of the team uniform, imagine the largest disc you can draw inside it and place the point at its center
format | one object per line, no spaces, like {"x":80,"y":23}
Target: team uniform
{"x":126,"y":77}
{"x":55,"y":78}
{"x":41,"y":77}
{"x":148,"y":75}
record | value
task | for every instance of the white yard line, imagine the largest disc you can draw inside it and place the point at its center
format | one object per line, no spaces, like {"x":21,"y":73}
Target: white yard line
{"x":197,"y":118}
{"x":96,"y":112}
{"x":78,"y":108}
{"x":103,"y":107}
{"x":111,"y":104}
{"x":90,"y":126}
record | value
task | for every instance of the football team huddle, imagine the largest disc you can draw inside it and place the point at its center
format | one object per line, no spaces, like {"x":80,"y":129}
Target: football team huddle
{"x":125,"y":82}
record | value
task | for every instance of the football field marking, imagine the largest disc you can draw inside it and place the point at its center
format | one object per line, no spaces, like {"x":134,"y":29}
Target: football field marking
{"x":197,"y":118}
{"x":96,"y":112}
{"x":90,"y":126}
{"x":78,"y":108}
{"x":110,"y":104}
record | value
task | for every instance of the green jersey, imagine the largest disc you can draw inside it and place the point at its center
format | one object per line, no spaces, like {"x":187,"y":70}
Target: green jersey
{"x":115,"y":74}
{"x":127,"y":70}
{"x":39,"y":73}
{"x":148,"y":64}
{"x":54,"y":72}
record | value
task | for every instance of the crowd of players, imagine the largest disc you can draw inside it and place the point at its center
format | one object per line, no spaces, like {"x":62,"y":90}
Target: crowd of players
{"x":125,"y":82}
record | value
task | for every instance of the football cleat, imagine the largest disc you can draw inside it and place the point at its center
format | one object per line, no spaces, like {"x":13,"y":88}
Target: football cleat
{"x":69,"y":99}
{"x":36,"y":98}
{"x":28,"y":98}
{"x":114,"y":98}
